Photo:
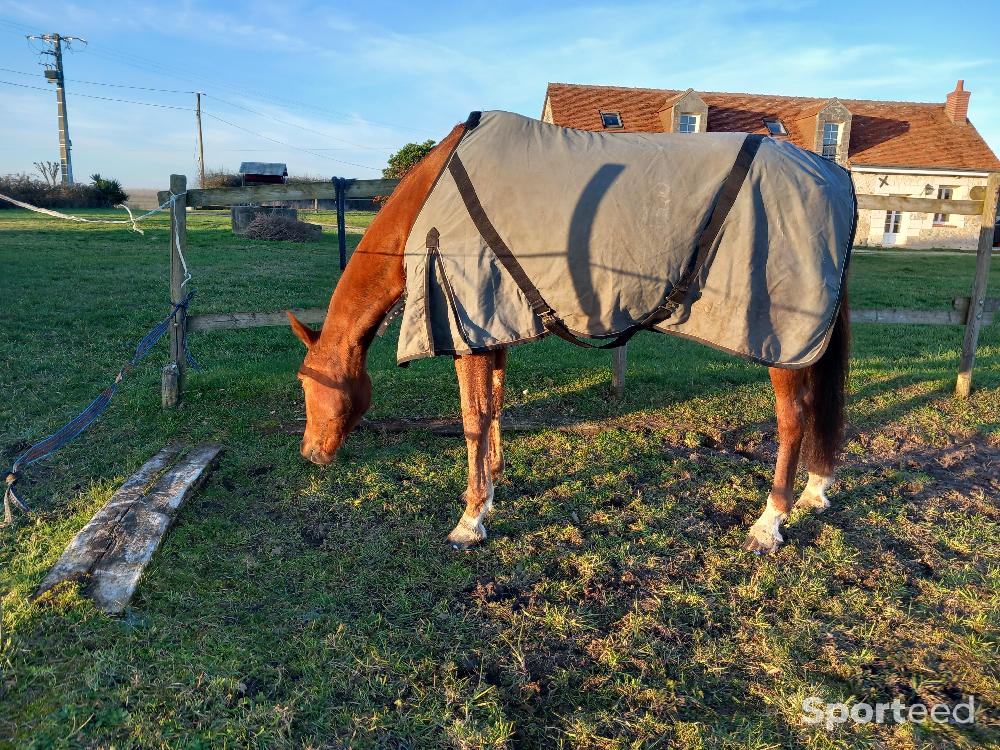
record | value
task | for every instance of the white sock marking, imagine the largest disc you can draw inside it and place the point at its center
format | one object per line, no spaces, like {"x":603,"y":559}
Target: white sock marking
{"x":767,"y":529}
{"x":814,"y":495}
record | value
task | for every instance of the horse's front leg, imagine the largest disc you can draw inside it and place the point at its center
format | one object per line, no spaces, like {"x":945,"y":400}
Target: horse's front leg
{"x":496,"y":447}
{"x":789,"y":391}
{"x":475,"y":383}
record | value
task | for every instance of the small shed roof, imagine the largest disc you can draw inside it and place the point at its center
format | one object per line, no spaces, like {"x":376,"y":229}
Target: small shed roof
{"x":264,"y":167}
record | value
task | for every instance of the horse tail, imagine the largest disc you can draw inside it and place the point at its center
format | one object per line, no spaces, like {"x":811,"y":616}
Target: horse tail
{"x":826,"y":384}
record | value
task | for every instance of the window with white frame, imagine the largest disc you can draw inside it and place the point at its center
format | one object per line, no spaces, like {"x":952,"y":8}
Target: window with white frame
{"x":688,"y":124}
{"x":893,"y":220}
{"x":945,"y":192}
{"x":831,"y":139}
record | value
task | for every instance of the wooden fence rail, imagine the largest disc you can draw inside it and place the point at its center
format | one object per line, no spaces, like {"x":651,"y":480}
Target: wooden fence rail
{"x":971,"y":312}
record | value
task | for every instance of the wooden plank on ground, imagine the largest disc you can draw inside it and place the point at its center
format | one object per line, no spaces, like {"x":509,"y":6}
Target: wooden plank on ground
{"x":109,"y":554}
{"x":266,"y":193}
{"x":919,"y":205}
{"x":224,"y":321}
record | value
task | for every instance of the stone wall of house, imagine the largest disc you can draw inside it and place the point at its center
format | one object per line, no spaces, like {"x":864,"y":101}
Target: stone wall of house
{"x":918,"y":230}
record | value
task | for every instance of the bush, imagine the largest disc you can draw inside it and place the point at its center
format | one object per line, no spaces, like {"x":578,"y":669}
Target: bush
{"x":220,"y":178}
{"x":38,"y":193}
{"x":110,"y":189}
{"x":274,"y":227}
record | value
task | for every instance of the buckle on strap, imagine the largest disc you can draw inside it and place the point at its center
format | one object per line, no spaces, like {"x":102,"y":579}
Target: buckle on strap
{"x":541,"y":308}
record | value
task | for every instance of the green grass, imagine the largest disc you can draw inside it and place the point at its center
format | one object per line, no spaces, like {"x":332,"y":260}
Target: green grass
{"x":613,"y":606}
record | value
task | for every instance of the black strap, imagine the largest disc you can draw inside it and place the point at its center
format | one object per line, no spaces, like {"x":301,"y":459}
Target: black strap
{"x":493,"y":240}
{"x":727,"y":197}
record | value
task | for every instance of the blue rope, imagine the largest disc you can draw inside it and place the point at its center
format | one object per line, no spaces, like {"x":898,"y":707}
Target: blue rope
{"x":88,"y":416}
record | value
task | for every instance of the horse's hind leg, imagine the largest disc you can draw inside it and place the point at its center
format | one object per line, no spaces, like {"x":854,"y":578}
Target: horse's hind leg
{"x":475,"y":383}
{"x":496,"y":448}
{"x":789,"y":391}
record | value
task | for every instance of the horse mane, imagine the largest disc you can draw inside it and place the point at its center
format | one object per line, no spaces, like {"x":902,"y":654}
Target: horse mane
{"x":374,"y":278}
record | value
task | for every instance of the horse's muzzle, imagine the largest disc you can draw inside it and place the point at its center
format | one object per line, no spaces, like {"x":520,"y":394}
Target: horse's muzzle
{"x":316,"y":455}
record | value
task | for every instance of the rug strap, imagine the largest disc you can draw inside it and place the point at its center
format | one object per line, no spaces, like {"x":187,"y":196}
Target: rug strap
{"x":727,"y":198}
{"x":541,"y":308}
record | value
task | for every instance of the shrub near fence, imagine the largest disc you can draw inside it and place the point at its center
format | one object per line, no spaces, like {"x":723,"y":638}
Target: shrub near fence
{"x":29,"y":190}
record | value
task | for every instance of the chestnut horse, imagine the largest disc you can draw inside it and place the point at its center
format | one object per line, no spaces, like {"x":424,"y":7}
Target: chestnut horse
{"x":809,"y":401}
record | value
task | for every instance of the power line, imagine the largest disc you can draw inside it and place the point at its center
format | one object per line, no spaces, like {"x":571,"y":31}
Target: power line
{"x":103,"y":83}
{"x":149,"y":65}
{"x":136,"y":88}
{"x":220,"y":100}
{"x":289,"y":145}
{"x":295,"y":125}
{"x":22,"y":73}
{"x":102,"y":98}
{"x":142,"y":63}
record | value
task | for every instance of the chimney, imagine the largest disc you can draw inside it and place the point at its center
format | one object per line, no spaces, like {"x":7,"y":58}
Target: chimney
{"x":956,"y":106}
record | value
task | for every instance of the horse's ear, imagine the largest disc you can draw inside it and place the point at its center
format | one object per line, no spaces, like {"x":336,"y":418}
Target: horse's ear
{"x":306,"y":334}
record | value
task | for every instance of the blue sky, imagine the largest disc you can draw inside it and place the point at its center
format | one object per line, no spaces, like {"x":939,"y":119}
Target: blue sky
{"x":351,"y":82}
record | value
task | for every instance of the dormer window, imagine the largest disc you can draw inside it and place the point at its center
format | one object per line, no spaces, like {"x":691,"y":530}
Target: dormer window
{"x":687,"y":124}
{"x":775,"y":127}
{"x":831,"y":140}
{"x":611,"y":119}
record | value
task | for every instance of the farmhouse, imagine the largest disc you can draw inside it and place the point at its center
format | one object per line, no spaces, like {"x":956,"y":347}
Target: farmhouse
{"x":927,"y":150}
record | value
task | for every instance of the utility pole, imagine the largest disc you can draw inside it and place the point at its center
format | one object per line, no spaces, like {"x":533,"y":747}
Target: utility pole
{"x":201,"y":143}
{"x":55,"y":74}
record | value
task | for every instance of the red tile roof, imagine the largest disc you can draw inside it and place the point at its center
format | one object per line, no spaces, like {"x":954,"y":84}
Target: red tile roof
{"x":896,"y":134}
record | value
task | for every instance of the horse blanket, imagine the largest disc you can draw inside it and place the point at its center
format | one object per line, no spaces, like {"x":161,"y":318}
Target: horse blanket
{"x":738,"y":241}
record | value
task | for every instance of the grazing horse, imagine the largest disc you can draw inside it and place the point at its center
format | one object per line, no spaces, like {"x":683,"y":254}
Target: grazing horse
{"x":809,"y":400}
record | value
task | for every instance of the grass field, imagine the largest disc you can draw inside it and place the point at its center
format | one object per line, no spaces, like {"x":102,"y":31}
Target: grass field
{"x":612,"y":607}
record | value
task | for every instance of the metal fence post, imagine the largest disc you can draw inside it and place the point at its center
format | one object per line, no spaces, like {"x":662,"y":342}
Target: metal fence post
{"x":963,"y":386}
{"x":341,"y":187}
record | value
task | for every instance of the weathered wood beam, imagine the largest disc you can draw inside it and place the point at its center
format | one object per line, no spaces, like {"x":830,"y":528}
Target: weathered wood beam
{"x":977,"y":315}
{"x":263,"y":193}
{"x":316,"y":316}
{"x":914,"y":317}
{"x":225,"y":321}
{"x":920,"y":205}
{"x":990,"y":304}
{"x":619,"y":364}
{"x":109,"y":554}
{"x":172,"y":378}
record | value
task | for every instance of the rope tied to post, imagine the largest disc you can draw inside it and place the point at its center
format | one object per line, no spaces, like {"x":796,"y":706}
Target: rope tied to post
{"x":132,"y":221}
{"x":89,"y":415}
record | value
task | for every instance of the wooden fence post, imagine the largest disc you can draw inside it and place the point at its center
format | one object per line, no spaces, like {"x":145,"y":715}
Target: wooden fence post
{"x":618,"y":363}
{"x":173,"y":374}
{"x":963,"y":386}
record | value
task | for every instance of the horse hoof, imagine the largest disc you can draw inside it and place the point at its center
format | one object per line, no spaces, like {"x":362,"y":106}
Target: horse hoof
{"x":814,"y":497}
{"x":465,"y":536}
{"x":809,"y":500}
{"x":762,"y":540}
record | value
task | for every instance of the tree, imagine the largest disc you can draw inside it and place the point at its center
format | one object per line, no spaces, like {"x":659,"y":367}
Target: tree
{"x":110,"y":189}
{"x":406,"y":158}
{"x":49,"y":170}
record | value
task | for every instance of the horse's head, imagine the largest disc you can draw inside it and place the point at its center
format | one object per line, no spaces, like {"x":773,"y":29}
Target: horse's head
{"x":338,"y":393}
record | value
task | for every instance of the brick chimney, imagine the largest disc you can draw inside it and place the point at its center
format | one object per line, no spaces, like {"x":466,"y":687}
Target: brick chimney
{"x":956,"y":106}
